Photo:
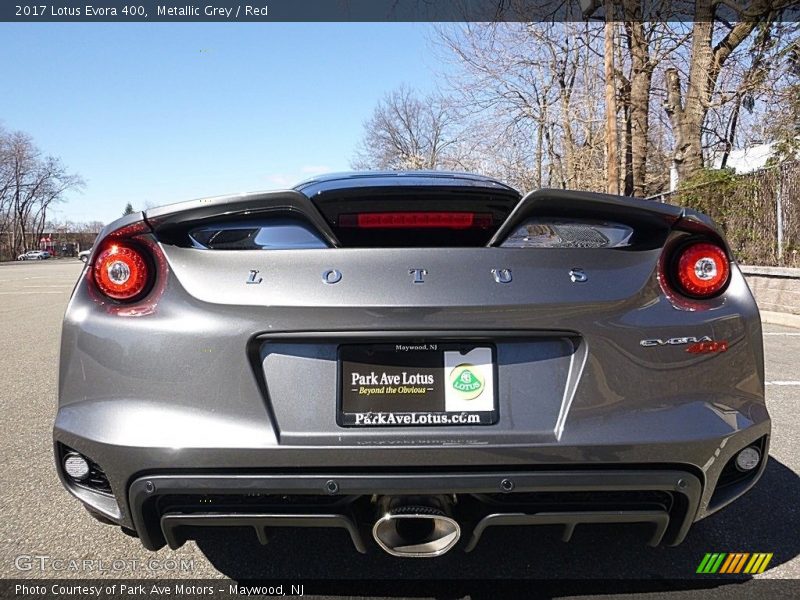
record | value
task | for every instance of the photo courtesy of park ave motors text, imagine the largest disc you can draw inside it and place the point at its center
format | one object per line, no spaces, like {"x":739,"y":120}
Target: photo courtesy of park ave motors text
{"x":400,"y":299}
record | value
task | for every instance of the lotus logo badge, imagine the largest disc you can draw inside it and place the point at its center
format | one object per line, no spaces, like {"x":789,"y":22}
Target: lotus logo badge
{"x":467,"y":380}
{"x":253,"y":278}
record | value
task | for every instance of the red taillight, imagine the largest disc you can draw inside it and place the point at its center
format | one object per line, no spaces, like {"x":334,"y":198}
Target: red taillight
{"x":416,"y":220}
{"x":701,"y":269}
{"x":121,"y":271}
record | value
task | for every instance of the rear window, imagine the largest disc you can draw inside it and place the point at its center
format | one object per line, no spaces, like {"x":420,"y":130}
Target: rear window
{"x":268,"y":234}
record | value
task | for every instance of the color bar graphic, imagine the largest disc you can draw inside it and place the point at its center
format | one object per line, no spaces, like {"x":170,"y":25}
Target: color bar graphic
{"x":734,"y":562}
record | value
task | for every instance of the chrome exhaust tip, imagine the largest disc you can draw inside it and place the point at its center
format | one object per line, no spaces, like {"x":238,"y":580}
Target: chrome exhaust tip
{"x":416,"y":531}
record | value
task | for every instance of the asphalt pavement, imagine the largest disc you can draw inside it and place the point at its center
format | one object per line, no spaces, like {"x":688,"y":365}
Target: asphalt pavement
{"x":44,"y":532}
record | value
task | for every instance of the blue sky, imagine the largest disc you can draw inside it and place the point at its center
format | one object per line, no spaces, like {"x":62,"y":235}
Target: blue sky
{"x":157,"y":113}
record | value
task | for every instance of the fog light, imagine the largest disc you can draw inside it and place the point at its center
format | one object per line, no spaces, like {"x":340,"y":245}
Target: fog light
{"x":748,"y":459}
{"x":76,"y":466}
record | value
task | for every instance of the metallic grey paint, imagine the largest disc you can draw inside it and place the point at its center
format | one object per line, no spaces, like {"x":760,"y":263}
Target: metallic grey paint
{"x":212,"y":374}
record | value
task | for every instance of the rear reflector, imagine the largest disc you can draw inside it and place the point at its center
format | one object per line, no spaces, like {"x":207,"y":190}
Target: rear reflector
{"x":76,"y":466}
{"x":416,"y":220}
{"x":748,"y":459}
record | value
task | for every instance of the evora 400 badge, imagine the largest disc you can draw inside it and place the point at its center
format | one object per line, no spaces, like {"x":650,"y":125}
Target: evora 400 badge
{"x":676,"y":341}
{"x":694,"y":345}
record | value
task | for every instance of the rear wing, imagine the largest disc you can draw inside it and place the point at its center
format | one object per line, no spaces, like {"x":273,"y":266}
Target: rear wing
{"x":651,"y":221}
{"x":568,"y":204}
{"x":171,"y":222}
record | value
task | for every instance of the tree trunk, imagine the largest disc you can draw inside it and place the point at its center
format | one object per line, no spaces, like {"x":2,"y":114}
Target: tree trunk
{"x":640,"y":85}
{"x":627,"y":135}
{"x":687,"y":115}
{"x":730,"y":136}
{"x":539,"y":153}
{"x":612,"y":158}
{"x":569,"y":140}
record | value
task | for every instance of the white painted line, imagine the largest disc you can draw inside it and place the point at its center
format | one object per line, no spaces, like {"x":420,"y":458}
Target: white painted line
{"x":28,"y":293}
{"x":780,"y":333}
{"x":783,"y":382}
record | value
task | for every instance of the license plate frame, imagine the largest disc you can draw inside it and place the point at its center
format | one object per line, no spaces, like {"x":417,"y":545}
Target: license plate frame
{"x":459,"y":380}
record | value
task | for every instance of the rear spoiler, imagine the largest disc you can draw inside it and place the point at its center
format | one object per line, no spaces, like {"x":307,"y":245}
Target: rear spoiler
{"x":634,"y":212}
{"x":648,"y":218}
{"x":171,"y":220}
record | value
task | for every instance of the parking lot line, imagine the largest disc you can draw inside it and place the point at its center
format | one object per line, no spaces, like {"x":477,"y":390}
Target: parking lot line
{"x":21,"y":293}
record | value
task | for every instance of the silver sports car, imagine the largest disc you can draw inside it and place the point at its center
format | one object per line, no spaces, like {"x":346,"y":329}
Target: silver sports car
{"x":410,"y":357}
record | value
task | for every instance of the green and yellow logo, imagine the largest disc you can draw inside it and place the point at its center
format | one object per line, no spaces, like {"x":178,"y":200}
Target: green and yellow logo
{"x":734,"y":562}
{"x":467,"y":380}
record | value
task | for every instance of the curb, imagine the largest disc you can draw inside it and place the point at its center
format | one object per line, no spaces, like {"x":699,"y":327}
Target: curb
{"x":786,"y":272}
{"x":779,"y":318}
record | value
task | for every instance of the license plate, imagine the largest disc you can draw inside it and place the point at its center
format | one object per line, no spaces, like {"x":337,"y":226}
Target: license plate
{"x":407,"y":385}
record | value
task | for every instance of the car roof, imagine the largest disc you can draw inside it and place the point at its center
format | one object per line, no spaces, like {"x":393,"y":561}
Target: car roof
{"x":366,"y":179}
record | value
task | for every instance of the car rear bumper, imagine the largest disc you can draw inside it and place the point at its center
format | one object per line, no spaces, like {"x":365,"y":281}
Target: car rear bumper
{"x":665,"y":484}
{"x":165,"y":507}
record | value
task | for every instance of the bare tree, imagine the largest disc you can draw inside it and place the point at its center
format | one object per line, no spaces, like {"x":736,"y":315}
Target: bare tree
{"x":6,"y":183}
{"x":537,"y":85}
{"x":29,"y":184}
{"x":688,"y":102}
{"x":407,"y":132}
{"x":612,"y":157}
{"x":783,"y":120}
{"x":526,"y":100}
{"x":645,"y":46}
{"x":640,"y":82}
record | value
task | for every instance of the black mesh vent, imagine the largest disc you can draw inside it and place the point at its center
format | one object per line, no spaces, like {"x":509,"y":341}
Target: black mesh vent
{"x":594,"y":500}
{"x":97,"y":480}
{"x":244,"y":502}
